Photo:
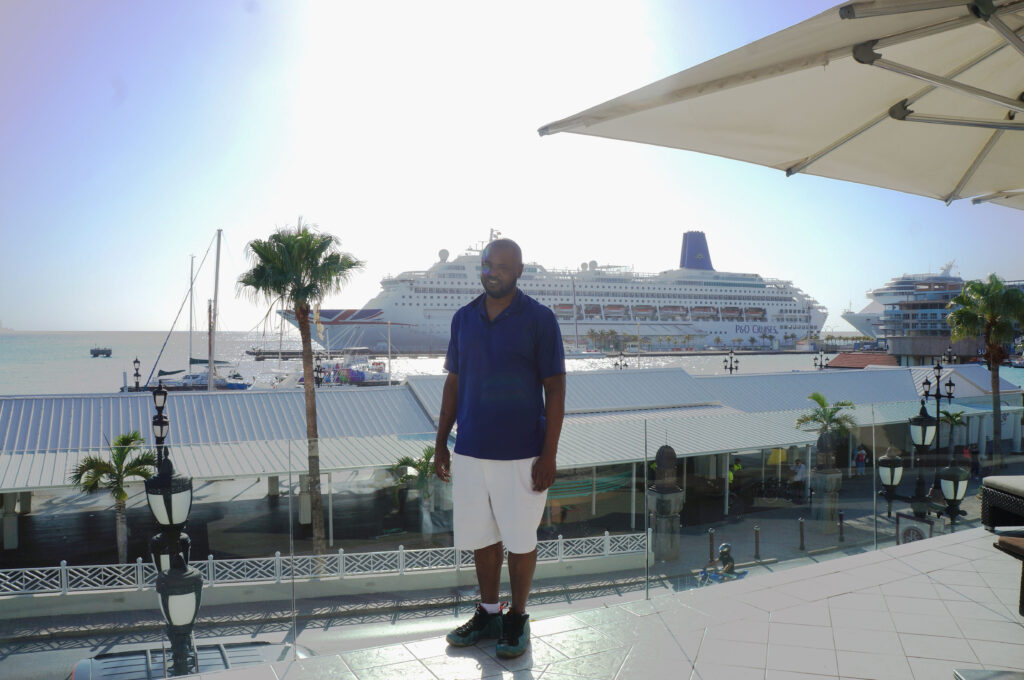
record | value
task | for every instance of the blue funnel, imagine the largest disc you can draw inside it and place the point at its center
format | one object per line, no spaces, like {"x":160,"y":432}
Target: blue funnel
{"x":695,"y":253}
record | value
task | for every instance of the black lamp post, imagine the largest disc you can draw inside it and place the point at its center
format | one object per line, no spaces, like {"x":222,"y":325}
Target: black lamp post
{"x":731,"y":363}
{"x":820,"y":362}
{"x":136,"y":364}
{"x":953,"y":479}
{"x":318,"y":373}
{"x":928,"y":394}
{"x":179,"y":586}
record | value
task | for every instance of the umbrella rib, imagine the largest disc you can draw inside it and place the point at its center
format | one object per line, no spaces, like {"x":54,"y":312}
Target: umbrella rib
{"x":1000,"y":27}
{"x":818,"y":155}
{"x":978,"y":160}
{"x":948,"y":83}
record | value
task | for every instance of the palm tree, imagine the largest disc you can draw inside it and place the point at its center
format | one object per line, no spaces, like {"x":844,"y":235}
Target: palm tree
{"x":830,"y":422}
{"x":718,"y":340}
{"x":127,"y":459}
{"x":954,"y":419}
{"x":988,"y":309}
{"x":300,"y":267}
{"x":420,"y":472}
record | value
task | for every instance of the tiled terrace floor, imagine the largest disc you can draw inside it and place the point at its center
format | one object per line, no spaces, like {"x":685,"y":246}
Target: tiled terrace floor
{"x":911,"y":612}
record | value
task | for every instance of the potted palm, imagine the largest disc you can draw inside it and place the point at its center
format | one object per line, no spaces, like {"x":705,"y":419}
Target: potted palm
{"x":418,"y":473}
{"x":832,"y":424}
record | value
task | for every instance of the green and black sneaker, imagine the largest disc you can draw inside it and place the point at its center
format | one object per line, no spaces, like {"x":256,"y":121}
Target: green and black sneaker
{"x":482,"y":625}
{"x":515,"y":635}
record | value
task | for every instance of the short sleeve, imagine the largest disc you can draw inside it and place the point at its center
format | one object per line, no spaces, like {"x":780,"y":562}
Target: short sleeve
{"x":451,"y":359}
{"x":550,"y":352}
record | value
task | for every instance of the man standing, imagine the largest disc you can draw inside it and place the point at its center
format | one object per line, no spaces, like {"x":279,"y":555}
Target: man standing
{"x":506,"y":390}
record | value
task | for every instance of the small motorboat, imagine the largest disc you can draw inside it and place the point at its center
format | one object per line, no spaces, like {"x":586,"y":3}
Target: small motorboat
{"x":101,"y":352}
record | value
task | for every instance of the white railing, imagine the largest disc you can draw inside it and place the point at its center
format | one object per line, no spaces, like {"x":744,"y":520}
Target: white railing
{"x":276,"y":569}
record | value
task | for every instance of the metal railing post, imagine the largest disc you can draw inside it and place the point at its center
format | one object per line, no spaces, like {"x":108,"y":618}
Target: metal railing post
{"x":138,"y":573}
{"x":802,"y":535}
{"x":757,"y":542}
{"x":711,"y":544}
{"x":64,"y":577}
{"x":607,"y":544}
{"x":561,"y":548}
{"x":209,"y":571}
{"x":341,"y":563}
{"x":458,"y":560}
{"x":401,"y":559}
{"x":277,"y":566}
{"x":841,"y":537}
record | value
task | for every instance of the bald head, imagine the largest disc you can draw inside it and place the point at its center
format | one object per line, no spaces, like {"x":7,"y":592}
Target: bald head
{"x":505,"y":244}
{"x":501,"y":265}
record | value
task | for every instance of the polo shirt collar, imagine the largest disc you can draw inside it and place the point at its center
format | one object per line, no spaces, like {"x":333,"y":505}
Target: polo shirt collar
{"x":514,"y":307}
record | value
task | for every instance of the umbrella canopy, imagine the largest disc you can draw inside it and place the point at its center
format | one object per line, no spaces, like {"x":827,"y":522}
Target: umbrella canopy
{"x":919,"y":96}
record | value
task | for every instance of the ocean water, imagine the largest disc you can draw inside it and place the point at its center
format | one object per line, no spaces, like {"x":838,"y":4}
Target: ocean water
{"x":59,"y":362}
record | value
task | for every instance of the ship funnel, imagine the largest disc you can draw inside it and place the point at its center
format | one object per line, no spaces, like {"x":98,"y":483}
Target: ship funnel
{"x":695,"y":253}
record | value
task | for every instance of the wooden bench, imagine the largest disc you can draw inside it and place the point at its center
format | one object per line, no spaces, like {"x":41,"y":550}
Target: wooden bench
{"x":1002,"y":501}
{"x":1014,"y":547}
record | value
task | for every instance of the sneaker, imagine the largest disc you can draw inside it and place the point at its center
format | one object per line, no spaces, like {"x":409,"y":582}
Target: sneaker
{"x":515,"y":635}
{"x":482,"y":625}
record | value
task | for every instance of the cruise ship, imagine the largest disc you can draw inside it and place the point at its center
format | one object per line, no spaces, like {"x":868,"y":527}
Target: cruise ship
{"x":900,"y":289}
{"x":691,"y":307}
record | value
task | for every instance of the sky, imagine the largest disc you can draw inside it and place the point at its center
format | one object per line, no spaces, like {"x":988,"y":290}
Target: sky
{"x":132,"y":130}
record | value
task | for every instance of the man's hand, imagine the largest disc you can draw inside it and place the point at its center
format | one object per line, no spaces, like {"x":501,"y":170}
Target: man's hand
{"x":442,"y":463}
{"x":543,"y":473}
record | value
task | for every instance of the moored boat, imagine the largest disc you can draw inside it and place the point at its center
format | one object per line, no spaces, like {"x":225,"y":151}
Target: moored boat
{"x":644,"y":311}
{"x":731,"y":314}
{"x":704,"y":313}
{"x":100,"y":352}
{"x":756,"y":314}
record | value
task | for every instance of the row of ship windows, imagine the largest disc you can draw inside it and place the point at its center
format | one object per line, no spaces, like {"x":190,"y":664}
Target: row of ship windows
{"x":582,"y":295}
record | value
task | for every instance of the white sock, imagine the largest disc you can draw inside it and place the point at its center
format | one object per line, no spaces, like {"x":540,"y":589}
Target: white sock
{"x":491,"y":608}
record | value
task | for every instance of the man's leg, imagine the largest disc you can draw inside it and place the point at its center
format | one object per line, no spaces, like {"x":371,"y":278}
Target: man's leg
{"x":520,"y":569}
{"x":488,"y":571}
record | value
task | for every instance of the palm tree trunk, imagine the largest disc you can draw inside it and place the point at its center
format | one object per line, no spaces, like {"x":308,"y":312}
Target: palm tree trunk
{"x":997,"y":425}
{"x":316,"y":503}
{"x":121,"y":530}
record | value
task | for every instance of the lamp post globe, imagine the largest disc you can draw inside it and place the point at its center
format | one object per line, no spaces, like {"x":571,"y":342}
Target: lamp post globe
{"x":890,"y":473}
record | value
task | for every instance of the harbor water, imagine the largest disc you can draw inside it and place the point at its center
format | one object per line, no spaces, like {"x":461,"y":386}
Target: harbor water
{"x":60,"y":363}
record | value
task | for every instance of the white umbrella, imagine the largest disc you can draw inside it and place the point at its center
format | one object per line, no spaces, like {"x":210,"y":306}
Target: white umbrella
{"x":914,"y":95}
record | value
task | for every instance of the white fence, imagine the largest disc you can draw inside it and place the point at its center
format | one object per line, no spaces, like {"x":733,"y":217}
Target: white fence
{"x":140,"y":576}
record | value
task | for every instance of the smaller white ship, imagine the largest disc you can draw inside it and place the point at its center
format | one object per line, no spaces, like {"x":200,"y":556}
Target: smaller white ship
{"x":900,"y":289}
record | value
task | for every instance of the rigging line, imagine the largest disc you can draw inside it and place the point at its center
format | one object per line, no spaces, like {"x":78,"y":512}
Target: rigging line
{"x":178,"y":315}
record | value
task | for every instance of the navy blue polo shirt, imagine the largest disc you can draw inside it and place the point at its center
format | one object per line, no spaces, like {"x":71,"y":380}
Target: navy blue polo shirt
{"x":501,"y":366}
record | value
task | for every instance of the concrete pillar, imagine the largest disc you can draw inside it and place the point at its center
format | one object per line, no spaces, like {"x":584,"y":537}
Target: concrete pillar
{"x":26,"y":503}
{"x":273,"y":486}
{"x":10,"y":521}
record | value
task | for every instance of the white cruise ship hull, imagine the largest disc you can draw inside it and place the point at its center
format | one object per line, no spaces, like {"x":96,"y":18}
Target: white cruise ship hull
{"x":692,"y":307}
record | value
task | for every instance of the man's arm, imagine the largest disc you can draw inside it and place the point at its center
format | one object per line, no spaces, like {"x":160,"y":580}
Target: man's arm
{"x":445,"y":421}
{"x":554,"y":412}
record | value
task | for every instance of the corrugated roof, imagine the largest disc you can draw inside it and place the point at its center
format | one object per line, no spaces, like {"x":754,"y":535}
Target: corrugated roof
{"x":89,"y":421}
{"x":861,"y":360}
{"x":600,"y":391}
{"x":970,"y":380}
{"x":785,"y":391}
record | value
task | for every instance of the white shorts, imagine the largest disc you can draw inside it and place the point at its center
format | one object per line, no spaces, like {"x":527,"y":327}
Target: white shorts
{"x":494,"y":501}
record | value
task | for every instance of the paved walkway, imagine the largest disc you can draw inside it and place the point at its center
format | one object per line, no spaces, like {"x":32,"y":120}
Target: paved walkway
{"x":911,"y":612}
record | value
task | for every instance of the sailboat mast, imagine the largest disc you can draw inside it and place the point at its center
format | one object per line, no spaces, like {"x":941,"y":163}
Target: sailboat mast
{"x":212,"y":371}
{"x":575,"y":314}
{"x":191,"y":307}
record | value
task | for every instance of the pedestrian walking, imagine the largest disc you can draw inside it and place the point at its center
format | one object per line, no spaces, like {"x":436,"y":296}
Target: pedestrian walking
{"x":506,"y":390}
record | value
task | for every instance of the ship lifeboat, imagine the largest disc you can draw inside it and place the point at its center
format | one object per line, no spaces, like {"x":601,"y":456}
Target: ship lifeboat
{"x":615,"y":310}
{"x":673,"y":312}
{"x":731,"y":313}
{"x":592,"y":311}
{"x":704,"y":313}
{"x":647,"y":311}
{"x":563,"y":311}
{"x":755,"y":314}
